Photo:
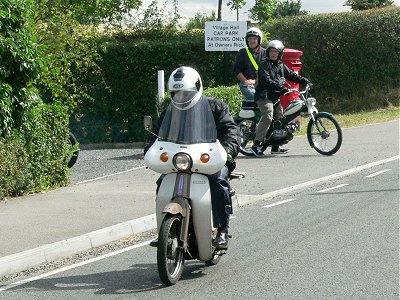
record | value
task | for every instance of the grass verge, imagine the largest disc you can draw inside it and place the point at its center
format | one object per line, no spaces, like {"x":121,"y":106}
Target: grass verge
{"x":359,"y":119}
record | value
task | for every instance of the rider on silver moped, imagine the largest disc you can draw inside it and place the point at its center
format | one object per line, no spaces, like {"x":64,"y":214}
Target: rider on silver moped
{"x":202,"y":112}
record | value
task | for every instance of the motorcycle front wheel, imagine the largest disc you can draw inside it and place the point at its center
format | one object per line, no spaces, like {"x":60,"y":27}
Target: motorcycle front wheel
{"x":170,"y":258}
{"x":247,"y":129}
{"x":324,"y":134}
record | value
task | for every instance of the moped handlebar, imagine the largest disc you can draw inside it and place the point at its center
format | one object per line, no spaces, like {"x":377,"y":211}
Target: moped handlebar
{"x":306,"y":89}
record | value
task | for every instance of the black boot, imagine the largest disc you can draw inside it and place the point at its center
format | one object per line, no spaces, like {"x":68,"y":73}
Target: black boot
{"x":221,"y":241}
{"x":278,"y":150}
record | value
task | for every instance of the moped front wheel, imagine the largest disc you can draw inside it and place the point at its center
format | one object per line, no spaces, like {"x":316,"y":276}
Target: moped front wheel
{"x":324,"y":134}
{"x":170,"y":258}
{"x":247,"y":129}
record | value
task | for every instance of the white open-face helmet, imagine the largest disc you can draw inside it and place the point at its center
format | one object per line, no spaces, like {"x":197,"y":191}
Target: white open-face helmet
{"x":185,"y":87}
{"x":278,"y":45}
{"x":254,"y":31}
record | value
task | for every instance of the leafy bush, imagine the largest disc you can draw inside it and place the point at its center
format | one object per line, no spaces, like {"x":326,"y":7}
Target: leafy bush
{"x":230,"y":95}
{"x":35,"y":158}
{"x":33,"y":135}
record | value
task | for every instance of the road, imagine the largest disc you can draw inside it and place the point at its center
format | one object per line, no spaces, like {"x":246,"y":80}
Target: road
{"x":337,"y":238}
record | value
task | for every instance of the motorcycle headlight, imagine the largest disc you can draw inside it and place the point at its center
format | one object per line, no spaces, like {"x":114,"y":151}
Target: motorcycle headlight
{"x":182,"y":162}
{"x":311,"y":101}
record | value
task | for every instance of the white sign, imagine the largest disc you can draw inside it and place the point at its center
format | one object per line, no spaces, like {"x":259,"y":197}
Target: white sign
{"x":225,"y":35}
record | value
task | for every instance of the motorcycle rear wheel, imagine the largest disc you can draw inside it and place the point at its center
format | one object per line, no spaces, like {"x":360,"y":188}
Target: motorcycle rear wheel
{"x":170,"y":256}
{"x":324,"y":134}
{"x":247,"y":129}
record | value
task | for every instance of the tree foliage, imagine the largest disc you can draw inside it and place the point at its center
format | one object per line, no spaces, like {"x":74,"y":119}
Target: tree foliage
{"x":86,"y":11}
{"x":288,"y":8}
{"x":263,"y":10}
{"x":19,"y":63}
{"x":367,"y":4}
{"x":199,"y":20}
{"x":236,"y":5}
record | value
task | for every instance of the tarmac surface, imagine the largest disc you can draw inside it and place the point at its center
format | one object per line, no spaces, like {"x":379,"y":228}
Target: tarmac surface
{"x":112,"y":196}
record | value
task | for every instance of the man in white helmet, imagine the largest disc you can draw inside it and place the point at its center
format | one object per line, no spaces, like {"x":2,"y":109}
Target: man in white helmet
{"x":247,"y":61}
{"x":186,"y":89}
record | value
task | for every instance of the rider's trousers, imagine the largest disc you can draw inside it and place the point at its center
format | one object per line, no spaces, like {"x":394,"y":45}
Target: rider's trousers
{"x":268,"y":113}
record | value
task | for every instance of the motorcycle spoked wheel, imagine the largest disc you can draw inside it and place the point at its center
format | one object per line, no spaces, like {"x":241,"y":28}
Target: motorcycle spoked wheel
{"x":74,"y":156}
{"x":170,"y":256}
{"x":247,"y":129}
{"x":324,"y":134}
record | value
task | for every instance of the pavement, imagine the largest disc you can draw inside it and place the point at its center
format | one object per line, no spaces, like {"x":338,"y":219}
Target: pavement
{"x":43,"y":227}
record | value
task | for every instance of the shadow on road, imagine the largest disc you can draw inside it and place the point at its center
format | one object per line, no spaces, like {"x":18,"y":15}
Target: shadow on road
{"x":139,"y":278}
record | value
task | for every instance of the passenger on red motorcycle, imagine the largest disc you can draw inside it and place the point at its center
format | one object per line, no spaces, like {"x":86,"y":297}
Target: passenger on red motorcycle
{"x":247,"y":61}
{"x":270,"y":86}
{"x":186,"y":89}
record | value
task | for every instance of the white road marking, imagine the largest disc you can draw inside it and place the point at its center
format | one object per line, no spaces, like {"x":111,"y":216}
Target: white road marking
{"x":377,"y":173}
{"x":333,"y":188}
{"x":86,"y":262}
{"x":278,"y":203}
{"x":105,"y":176}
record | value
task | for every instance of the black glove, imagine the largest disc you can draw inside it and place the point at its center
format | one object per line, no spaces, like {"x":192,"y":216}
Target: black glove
{"x":284,"y":90}
{"x":306,"y":81}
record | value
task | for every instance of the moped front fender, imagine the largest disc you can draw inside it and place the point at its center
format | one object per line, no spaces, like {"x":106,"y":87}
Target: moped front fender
{"x":174,"y":209}
{"x":201,"y":209}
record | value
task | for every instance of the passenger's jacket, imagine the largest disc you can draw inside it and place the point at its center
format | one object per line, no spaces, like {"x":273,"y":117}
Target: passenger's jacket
{"x":243,"y":64}
{"x":268,"y":86}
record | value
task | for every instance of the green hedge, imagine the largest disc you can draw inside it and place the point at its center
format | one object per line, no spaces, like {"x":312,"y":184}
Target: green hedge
{"x":130,"y":63}
{"x":352,"y":58}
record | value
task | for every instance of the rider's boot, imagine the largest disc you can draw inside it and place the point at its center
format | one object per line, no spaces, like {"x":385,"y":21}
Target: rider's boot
{"x":256,"y":149}
{"x":221,"y":241}
{"x":278,"y":150}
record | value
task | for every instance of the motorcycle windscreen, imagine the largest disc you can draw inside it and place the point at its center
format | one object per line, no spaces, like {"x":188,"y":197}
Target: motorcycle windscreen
{"x":189,"y":126}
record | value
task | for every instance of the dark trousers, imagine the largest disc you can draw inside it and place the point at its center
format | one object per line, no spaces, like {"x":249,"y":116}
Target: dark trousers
{"x":220,"y":199}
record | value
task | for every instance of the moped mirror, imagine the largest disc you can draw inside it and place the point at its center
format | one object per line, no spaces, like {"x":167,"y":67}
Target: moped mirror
{"x":148,"y":123}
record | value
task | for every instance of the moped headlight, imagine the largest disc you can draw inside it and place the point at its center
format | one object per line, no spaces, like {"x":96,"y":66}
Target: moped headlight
{"x":182,"y":161}
{"x":311,"y":101}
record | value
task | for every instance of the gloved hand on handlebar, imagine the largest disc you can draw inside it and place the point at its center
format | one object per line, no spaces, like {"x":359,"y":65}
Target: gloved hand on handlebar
{"x":284,"y":90}
{"x":306,"y":81}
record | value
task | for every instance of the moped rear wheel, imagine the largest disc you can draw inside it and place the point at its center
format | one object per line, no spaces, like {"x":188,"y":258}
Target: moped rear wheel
{"x":170,"y":258}
{"x":324,"y":134}
{"x":247,"y":129}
